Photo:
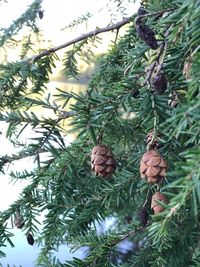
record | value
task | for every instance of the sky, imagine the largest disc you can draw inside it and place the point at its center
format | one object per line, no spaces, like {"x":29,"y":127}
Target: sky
{"x":57,"y":14}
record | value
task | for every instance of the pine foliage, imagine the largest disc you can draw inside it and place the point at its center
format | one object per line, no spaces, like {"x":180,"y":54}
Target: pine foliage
{"x":119,"y":108}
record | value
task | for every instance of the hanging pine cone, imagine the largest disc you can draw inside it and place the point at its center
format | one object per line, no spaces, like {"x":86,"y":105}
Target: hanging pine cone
{"x":18,"y":220}
{"x":159,"y":83}
{"x":30,"y":239}
{"x":41,"y":14}
{"x":146,"y":34}
{"x":154,"y":144}
{"x":153,"y":167}
{"x":157,"y":208}
{"x":143,"y":216}
{"x":102,"y":161}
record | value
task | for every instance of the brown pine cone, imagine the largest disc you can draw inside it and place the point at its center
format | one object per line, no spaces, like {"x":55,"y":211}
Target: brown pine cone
{"x":146,"y":34}
{"x":149,"y":137}
{"x":102,"y":161}
{"x":157,"y":208}
{"x":159,"y":83}
{"x":18,"y":220}
{"x":153,"y":166}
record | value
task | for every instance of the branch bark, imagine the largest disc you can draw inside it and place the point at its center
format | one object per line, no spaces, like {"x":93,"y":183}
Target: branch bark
{"x":93,"y":33}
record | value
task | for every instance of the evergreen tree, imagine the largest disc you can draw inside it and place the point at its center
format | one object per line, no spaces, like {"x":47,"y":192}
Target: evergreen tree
{"x":139,"y":120}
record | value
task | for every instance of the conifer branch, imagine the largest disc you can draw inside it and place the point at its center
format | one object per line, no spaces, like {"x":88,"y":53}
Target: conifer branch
{"x":93,"y":33}
{"x":23,"y":154}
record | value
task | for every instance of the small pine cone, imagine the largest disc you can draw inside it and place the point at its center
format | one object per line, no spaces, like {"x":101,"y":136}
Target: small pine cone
{"x":152,"y":166}
{"x":157,"y":208}
{"x":102,"y":161}
{"x":18,"y":220}
{"x":41,"y":14}
{"x":30,"y":239}
{"x":146,"y":34}
{"x":154,"y":144}
{"x":159,"y":83}
{"x":143,"y":216}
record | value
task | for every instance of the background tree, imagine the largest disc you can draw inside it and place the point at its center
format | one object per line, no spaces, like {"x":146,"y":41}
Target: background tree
{"x":142,"y":105}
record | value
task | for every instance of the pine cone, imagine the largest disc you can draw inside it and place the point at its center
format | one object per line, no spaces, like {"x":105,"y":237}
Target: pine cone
{"x":30,"y":239}
{"x":146,"y":34}
{"x":41,"y":14}
{"x":149,"y":137}
{"x":153,"y":166}
{"x":18,"y":220}
{"x":159,"y":83}
{"x":102,"y":161}
{"x":157,"y":208}
{"x":143,"y":216}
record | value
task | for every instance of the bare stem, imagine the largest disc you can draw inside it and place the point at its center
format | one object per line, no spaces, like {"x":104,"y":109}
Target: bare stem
{"x":93,"y":33}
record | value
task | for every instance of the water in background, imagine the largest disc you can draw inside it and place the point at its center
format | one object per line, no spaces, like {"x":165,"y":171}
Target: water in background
{"x":25,"y":255}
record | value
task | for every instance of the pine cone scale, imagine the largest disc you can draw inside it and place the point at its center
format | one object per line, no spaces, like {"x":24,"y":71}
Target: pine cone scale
{"x":99,"y":160}
{"x":157,"y":208}
{"x":163,"y":163}
{"x":148,"y":155}
{"x":152,"y":171}
{"x":110,"y":161}
{"x":154,"y":161}
{"x":143,"y":167}
{"x":110,"y":169}
{"x":98,"y":168}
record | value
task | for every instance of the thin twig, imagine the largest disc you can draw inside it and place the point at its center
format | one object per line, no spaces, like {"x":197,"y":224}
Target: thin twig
{"x":93,"y":33}
{"x":148,"y":199}
{"x":138,"y":18}
{"x":66,"y":114}
{"x":130,"y":234}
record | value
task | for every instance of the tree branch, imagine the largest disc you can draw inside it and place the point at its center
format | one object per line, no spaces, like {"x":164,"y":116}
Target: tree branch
{"x":93,"y":33}
{"x":138,"y":18}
